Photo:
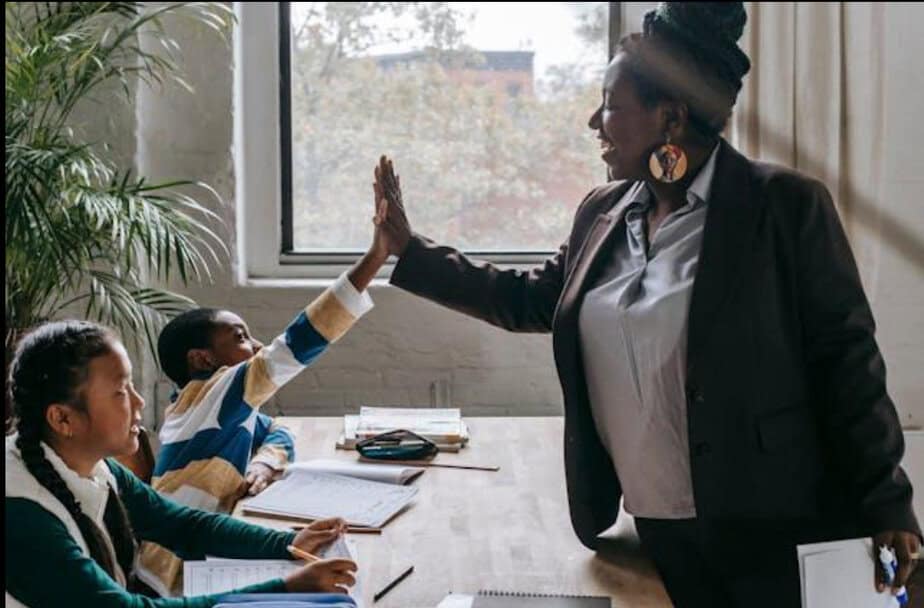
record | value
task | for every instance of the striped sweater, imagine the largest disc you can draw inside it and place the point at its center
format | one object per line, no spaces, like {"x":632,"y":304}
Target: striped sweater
{"x":214,"y":428}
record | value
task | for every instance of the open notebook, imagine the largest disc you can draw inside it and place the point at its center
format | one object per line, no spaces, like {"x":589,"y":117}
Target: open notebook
{"x":385,"y":473}
{"x":217,"y":575}
{"x":308,"y":494}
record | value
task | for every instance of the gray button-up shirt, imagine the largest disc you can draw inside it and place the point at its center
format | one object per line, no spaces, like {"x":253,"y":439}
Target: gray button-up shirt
{"x":633,"y":334}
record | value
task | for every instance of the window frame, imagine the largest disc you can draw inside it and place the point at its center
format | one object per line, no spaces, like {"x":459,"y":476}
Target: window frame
{"x":263,"y":156}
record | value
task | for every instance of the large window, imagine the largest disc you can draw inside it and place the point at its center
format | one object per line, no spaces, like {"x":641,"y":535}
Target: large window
{"x":483,"y":106}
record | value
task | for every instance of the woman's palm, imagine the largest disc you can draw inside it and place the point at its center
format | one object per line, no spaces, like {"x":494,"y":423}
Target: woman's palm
{"x":392,"y":230}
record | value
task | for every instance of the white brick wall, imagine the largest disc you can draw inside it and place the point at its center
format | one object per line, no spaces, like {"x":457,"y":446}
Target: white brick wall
{"x":406,"y":351}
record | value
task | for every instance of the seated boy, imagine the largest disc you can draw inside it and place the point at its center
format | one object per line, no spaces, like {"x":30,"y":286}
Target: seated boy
{"x":215,"y":444}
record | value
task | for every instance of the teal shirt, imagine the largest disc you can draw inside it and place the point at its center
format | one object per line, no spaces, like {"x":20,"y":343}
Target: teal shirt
{"x":46,"y":567}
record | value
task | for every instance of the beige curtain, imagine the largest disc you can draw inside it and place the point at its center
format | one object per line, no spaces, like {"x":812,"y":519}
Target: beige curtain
{"x":836,"y":90}
{"x":814,"y":97}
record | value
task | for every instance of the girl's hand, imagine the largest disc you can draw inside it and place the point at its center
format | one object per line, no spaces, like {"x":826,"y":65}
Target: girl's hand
{"x":319,"y":533}
{"x":325,"y":576}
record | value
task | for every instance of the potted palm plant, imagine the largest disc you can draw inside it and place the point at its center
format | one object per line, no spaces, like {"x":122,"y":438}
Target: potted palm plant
{"x":80,"y":230}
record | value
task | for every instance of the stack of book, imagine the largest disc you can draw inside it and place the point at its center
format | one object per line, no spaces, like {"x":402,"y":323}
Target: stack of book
{"x":443,"y":426}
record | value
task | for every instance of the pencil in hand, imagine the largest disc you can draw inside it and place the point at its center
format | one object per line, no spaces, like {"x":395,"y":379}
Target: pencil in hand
{"x":349,"y":529}
{"x":302,"y":554}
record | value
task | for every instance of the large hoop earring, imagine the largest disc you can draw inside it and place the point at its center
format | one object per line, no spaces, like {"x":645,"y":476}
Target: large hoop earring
{"x":668,"y":163}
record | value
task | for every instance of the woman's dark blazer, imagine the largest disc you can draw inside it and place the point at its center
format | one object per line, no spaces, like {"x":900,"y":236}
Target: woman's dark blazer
{"x":787,"y":410}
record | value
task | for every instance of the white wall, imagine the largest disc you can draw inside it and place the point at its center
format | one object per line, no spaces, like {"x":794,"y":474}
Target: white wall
{"x":405,"y":345}
{"x":891,"y":257}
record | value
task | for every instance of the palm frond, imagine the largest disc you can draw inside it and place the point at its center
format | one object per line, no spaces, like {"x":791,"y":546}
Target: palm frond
{"x":135,"y":311}
{"x":78,"y":228}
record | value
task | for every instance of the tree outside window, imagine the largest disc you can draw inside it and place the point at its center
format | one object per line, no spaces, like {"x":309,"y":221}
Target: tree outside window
{"x":488,"y":131}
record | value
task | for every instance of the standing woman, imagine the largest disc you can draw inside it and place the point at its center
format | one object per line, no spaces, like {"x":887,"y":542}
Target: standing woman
{"x":714,"y":345}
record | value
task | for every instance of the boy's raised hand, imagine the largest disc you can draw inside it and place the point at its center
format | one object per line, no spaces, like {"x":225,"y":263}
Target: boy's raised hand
{"x":387,"y":236}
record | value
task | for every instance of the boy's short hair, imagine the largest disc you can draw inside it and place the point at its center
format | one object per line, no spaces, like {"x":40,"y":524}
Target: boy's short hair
{"x":192,"y":329}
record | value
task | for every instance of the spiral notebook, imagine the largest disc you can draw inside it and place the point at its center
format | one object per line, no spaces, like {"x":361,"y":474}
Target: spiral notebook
{"x":506,"y":599}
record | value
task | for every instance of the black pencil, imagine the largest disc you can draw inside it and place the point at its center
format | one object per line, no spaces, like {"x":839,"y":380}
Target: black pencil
{"x":392,"y":584}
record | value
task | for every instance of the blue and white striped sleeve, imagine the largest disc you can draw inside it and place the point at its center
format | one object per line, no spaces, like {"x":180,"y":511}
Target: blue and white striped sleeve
{"x":322,"y":322}
{"x":274,"y":443}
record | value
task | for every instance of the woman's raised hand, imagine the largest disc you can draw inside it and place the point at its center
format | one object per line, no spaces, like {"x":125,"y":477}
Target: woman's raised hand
{"x":392,"y":230}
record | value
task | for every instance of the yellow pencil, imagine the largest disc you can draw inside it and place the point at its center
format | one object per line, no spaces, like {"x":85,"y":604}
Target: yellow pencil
{"x":349,"y":529}
{"x":302,"y":554}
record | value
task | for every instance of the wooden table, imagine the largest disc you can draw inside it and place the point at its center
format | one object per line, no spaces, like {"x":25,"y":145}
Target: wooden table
{"x":468,"y":530}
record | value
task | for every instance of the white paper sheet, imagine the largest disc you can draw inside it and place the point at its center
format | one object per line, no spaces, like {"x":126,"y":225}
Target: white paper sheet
{"x":840,"y":575}
{"x":457,"y":600}
{"x":220,"y":575}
